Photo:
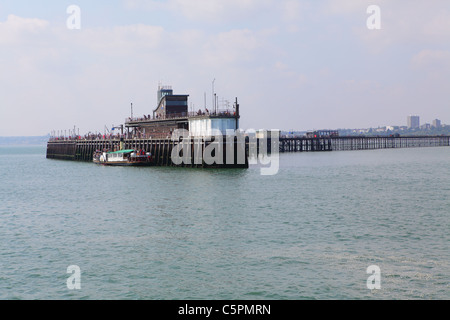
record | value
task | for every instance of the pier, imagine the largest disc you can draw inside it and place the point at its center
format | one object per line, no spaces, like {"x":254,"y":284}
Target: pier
{"x":348,"y":143}
{"x":203,"y":142}
{"x":234,"y":154}
{"x":161,"y":149}
{"x":207,"y":137}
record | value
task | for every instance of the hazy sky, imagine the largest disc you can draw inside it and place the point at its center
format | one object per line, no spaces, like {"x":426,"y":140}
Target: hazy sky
{"x":293,"y":64}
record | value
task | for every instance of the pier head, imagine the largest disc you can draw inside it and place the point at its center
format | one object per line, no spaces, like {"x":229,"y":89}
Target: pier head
{"x":173,"y":135}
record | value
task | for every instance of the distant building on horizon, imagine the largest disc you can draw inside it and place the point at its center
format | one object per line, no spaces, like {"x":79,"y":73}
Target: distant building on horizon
{"x":413,"y":122}
{"x":436,"y":123}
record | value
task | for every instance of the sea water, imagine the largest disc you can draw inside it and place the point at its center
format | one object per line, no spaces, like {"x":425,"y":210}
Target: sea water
{"x":308,"y":232}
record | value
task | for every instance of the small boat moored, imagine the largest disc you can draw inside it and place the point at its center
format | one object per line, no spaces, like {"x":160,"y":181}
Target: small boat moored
{"x":128,"y":157}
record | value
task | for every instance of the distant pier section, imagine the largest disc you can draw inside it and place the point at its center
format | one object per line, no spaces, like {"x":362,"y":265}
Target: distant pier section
{"x":331,"y":141}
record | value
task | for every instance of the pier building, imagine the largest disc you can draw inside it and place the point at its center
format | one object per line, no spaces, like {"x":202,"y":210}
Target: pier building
{"x":172,"y":113}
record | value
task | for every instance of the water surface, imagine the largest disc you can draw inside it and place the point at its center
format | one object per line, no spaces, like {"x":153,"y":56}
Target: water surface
{"x":309,"y":232}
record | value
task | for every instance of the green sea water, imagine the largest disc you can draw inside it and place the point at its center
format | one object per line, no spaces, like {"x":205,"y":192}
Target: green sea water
{"x":308,"y":232}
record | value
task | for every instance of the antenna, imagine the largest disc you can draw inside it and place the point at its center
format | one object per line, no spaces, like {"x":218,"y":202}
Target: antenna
{"x":213,"y":96}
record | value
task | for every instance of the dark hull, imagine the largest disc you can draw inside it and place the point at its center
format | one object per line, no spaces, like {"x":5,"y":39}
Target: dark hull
{"x":125,"y":164}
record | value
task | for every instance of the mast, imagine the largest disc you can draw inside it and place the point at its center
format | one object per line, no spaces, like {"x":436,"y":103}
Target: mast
{"x":237,"y":113}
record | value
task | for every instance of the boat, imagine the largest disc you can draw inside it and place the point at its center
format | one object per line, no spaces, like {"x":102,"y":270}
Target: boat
{"x":129,"y":157}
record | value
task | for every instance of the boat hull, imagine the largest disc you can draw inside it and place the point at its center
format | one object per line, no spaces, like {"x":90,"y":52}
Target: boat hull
{"x":125,"y":164}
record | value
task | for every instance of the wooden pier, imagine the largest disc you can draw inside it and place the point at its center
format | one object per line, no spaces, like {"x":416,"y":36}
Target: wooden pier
{"x":162,"y":149}
{"x":304,"y":144}
{"x":234,"y":156}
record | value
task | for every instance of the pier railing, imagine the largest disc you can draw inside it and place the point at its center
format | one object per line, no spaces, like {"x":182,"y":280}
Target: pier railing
{"x":183,"y":115}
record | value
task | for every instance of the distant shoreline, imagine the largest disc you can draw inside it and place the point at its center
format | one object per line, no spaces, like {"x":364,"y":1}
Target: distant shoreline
{"x":24,"y":141}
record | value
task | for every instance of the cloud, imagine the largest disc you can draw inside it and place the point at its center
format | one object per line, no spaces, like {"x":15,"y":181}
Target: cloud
{"x":202,"y":10}
{"x":227,"y":11}
{"x":438,"y":26}
{"x":415,"y":23}
{"x":99,"y":71}
{"x":292,"y":10}
{"x":230,"y":47}
{"x":17,"y":29}
{"x":431,"y":59}
{"x":219,"y":10}
{"x":299,"y":57}
{"x":145,"y":4}
{"x":341,"y":7}
{"x":119,"y":40}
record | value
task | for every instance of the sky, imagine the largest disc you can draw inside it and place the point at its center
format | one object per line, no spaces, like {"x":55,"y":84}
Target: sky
{"x":292,"y":64}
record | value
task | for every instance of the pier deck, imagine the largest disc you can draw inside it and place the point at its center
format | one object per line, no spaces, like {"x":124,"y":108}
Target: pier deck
{"x":303,"y":144}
